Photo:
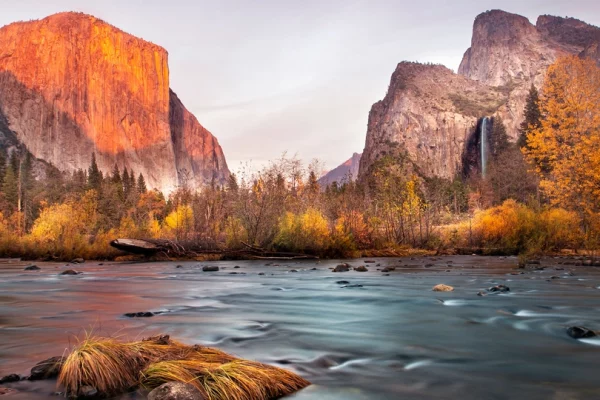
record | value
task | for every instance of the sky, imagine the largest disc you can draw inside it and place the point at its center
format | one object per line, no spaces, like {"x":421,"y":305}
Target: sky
{"x":270,"y":76}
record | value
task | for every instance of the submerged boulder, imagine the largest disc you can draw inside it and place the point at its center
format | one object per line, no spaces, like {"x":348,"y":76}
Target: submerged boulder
{"x":580,"y":332}
{"x":176,"y":391}
{"x":210,"y":268}
{"x":32,"y":268}
{"x":47,"y":369}
{"x":442,"y":288}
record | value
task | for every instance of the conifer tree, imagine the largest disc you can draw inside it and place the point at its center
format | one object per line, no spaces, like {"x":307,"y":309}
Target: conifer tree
{"x":94,"y":175}
{"x":533,"y":116}
{"x":141,"y":185}
{"x":10,"y":187}
{"x":2,"y":166}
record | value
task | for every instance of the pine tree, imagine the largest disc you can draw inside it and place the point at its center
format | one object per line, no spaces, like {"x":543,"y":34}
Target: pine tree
{"x":232,"y":183}
{"x":499,"y":142}
{"x":313,"y":183}
{"x":126,"y":183}
{"x":94,"y":175}
{"x":533,"y":116}
{"x":141,"y":185}
{"x":2,"y":167}
{"x":10,"y":187}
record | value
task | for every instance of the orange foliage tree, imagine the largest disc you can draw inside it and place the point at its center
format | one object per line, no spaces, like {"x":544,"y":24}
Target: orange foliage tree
{"x":565,"y":148}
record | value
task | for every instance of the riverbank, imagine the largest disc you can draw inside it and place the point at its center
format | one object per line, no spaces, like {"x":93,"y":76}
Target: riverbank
{"x":354,"y":335}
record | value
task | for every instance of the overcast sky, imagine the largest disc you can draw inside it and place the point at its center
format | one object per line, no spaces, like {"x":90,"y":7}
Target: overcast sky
{"x":266,"y":76}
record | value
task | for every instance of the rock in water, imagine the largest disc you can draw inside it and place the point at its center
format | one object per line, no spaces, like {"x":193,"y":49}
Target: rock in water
{"x":77,"y":261}
{"x":499,"y":289}
{"x":362,"y":268}
{"x":32,"y":268}
{"x":47,"y":369}
{"x":580,"y":332}
{"x":73,"y":85}
{"x":70,"y":272}
{"x":342,"y":268}
{"x":10,"y":378}
{"x":142,"y":314}
{"x":176,"y":391}
{"x":208,"y":268}
{"x":442,"y":288}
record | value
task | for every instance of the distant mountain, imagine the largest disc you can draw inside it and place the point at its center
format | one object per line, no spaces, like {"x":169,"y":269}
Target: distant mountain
{"x":72,"y":85}
{"x":431,"y":114}
{"x":342,"y":173}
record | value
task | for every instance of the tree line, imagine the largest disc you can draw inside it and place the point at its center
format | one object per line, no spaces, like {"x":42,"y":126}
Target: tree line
{"x":540,"y":194}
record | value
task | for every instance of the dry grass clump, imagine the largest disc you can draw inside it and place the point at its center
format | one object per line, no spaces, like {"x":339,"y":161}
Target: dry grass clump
{"x":113,"y":367}
{"x":104,"y":363}
{"x":235,"y":380}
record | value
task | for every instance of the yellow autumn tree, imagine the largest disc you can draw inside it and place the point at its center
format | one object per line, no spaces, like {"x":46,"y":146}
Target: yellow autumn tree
{"x":180,"y":222}
{"x":565,"y":149}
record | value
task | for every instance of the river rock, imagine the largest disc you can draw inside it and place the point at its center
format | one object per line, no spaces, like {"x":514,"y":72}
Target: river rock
{"x":342,"y":268}
{"x":32,"y":268}
{"x":210,"y":268}
{"x":10,"y":378}
{"x":236,"y":267}
{"x":499,"y":289}
{"x":70,"y":272}
{"x":77,"y":261}
{"x":176,"y":391}
{"x":369,"y":261}
{"x":362,"y":268}
{"x":352,"y":286}
{"x":47,"y":369}
{"x":442,"y":288}
{"x":142,"y":314}
{"x":580,"y":332}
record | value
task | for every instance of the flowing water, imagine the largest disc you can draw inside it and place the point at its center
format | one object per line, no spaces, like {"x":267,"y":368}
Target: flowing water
{"x":392,"y":338}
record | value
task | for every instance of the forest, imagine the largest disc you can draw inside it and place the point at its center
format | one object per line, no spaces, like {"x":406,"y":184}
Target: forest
{"x":540,"y":195}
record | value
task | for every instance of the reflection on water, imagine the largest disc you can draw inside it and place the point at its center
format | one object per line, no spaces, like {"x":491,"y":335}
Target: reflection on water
{"x":391,"y":338}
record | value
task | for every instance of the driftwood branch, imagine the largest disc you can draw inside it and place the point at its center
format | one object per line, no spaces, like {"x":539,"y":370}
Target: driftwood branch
{"x":169,"y":248}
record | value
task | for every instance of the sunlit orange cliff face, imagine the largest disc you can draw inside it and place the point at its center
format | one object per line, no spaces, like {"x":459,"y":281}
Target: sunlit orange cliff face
{"x":71,"y":85}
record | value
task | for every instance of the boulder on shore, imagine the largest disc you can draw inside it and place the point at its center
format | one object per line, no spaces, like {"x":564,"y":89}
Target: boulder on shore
{"x":442,"y":288}
{"x":176,"y":391}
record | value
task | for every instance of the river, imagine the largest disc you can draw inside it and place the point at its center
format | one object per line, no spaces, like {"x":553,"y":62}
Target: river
{"x":392,"y":338}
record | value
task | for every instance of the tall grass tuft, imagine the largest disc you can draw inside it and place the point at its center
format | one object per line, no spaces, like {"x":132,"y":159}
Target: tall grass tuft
{"x":104,"y":363}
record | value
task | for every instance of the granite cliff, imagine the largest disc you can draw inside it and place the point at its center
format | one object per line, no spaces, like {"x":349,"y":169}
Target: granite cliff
{"x":430,"y":112}
{"x":72,"y":85}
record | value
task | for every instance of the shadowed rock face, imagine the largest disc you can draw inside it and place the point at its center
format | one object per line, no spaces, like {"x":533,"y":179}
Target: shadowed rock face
{"x":71,"y":84}
{"x":429,"y":112}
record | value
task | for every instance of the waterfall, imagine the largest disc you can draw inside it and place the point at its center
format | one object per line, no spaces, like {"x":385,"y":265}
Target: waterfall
{"x":483,"y":144}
